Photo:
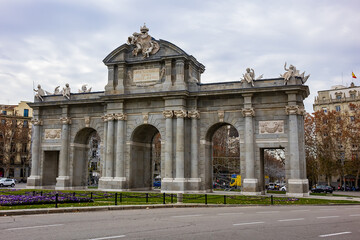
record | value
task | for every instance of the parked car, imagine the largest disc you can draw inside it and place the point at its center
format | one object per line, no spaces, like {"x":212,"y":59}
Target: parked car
{"x":157,"y":183}
{"x":5,"y":182}
{"x":283,"y":188}
{"x":322,"y":189}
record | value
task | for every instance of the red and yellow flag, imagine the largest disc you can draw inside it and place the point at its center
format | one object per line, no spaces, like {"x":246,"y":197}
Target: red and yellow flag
{"x":353,"y":75}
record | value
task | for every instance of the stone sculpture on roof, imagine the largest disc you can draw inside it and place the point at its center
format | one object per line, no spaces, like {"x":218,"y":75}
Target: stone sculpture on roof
{"x":143,"y":43}
{"x":293,"y":72}
{"x":39,"y":92}
{"x":66,"y":91}
{"x":249,"y":76}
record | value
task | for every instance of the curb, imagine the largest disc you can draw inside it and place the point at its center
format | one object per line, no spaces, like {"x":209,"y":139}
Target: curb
{"x":4,"y":213}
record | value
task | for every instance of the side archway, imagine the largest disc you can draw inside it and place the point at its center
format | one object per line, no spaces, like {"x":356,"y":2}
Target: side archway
{"x":223,"y":156}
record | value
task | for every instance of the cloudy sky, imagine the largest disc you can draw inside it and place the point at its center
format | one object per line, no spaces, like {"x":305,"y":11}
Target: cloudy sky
{"x":56,"y":42}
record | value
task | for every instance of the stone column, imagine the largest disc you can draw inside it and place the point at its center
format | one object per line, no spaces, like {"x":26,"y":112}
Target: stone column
{"x":120,"y":146}
{"x":109,"y":146}
{"x":103,"y":156}
{"x":111,"y":73}
{"x":180,"y":75}
{"x":250,"y":183}
{"x":34,"y":179}
{"x":63,"y":180}
{"x":180,"y":141}
{"x":194,"y":115}
{"x":298,"y":185}
{"x":168,"y":115}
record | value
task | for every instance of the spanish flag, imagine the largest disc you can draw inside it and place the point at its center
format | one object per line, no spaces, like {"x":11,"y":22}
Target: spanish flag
{"x":353,"y":75}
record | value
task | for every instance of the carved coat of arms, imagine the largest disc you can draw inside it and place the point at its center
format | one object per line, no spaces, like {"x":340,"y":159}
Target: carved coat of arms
{"x":143,"y":43}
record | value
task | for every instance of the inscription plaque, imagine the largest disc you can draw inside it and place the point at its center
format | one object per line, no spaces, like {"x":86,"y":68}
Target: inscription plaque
{"x":146,"y":75}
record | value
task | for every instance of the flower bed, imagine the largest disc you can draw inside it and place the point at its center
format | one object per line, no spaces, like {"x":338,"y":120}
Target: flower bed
{"x":13,"y":200}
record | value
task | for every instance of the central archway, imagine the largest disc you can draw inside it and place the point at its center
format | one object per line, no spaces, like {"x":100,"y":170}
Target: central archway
{"x":142,"y":157}
{"x":223,"y":152}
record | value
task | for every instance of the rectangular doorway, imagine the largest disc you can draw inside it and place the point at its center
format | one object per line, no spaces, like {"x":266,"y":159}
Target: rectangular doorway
{"x":50,"y":167}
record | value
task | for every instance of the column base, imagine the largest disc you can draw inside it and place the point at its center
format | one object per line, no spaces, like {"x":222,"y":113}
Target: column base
{"x":298,"y":188}
{"x":109,"y":183}
{"x":250,"y":186}
{"x":33,"y":182}
{"x":62,"y":182}
{"x":181,"y":185}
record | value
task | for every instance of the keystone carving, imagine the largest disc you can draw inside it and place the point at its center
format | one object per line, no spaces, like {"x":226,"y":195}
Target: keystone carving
{"x":248,"y":112}
{"x":146,"y":118}
{"x":168,"y":114}
{"x":271,"y":127}
{"x":87,"y":121}
{"x":221,"y":115}
{"x":180,"y":113}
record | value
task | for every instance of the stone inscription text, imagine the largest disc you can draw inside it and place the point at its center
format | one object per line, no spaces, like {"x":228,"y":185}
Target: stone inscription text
{"x":146,"y":75}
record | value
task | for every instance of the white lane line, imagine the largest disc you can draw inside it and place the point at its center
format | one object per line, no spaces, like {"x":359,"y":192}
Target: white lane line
{"x":248,"y":223}
{"x":300,"y":210}
{"x":42,"y":226}
{"x":355,"y":215}
{"x":328,"y":217}
{"x":289,"y":220}
{"x":268,"y":212}
{"x":112,"y":237}
{"x":225,"y":214}
{"x":181,"y":216}
{"x":334,"y":234}
{"x":327,"y":209}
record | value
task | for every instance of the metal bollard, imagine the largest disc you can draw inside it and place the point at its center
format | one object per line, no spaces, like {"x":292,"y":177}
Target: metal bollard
{"x":41,"y":193}
{"x":172,"y":198}
{"x":272,"y":200}
{"x":206,"y":199}
{"x":115,"y":198}
{"x":224,"y":199}
{"x":56,"y":200}
{"x":164,"y":198}
{"x":73,"y":194}
{"x":91,"y":195}
{"x":147,"y":197}
{"x":120,"y":197}
{"x":33,"y":193}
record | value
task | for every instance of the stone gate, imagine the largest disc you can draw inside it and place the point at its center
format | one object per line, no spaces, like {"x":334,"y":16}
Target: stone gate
{"x":154,"y":87}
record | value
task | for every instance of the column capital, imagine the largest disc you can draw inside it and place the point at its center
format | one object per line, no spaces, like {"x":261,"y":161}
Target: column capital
{"x":36,"y":122}
{"x":194,"y":114}
{"x":248,"y":112}
{"x":180,"y":113}
{"x":121,"y":116}
{"x":294,"y":110}
{"x":108,"y":117}
{"x":168,"y":114}
{"x":65,"y":120}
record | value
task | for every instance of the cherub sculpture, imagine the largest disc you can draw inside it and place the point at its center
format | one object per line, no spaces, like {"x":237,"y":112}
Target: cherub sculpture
{"x":66,"y":91}
{"x":40,"y":93}
{"x":249,"y":76}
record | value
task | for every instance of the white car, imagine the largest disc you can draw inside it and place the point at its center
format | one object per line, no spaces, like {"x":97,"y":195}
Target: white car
{"x":283,"y":188}
{"x":5,"y":182}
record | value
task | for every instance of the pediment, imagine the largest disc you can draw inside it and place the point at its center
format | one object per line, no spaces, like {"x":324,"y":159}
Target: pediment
{"x":167,"y":50}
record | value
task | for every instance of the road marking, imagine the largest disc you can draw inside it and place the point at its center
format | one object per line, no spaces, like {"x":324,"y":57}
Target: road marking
{"x":269,"y":212}
{"x":355,"y":215}
{"x":248,"y":223}
{"x":112,"y":237}
{"x":181,"y":216}
{"x":329,"y":217}
{"x":288,"y":220}
{"x":42,"y":226}
{"x":334,"y":234}
{"x":327,"y":209}
{"x":224,"y":214}
{"x":300,"y":210}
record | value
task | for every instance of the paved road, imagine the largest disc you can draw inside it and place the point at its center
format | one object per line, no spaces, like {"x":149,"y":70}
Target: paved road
{"x":276,"y":222}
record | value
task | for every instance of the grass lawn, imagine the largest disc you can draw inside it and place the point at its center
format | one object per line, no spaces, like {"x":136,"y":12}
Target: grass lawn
{"x":134,"y":198}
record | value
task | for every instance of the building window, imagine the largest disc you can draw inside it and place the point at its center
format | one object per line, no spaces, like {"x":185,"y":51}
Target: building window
{"x":325,"y":110}
{"x":338,"y":97}
{"x":26,"y":112}
{"x":26,"y":124}
{"x":3,"y":121}
{"x":12,"y":160}
{"x":351,"y":107}
{"x":338,"y":109}
{"x":352,"y":118}
{"x":4,"y":112}
{"x":352,"y":96}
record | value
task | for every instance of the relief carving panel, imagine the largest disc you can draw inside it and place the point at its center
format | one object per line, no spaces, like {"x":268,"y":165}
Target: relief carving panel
{"x":52,"y":134}
{"x":271,"y":127}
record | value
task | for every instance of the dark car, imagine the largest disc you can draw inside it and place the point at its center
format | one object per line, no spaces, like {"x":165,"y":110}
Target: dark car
{"x":322,"y":189}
